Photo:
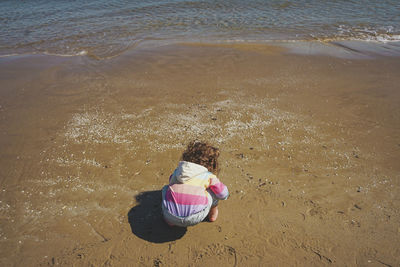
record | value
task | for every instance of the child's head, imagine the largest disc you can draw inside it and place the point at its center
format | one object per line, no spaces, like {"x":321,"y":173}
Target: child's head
{"x":203,"y":154}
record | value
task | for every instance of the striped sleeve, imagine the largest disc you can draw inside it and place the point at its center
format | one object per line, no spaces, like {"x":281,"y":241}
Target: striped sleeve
{"x":220,"y":190}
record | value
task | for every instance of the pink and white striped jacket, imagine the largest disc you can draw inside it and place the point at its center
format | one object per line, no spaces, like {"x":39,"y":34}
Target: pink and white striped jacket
{"x":187,"y":191}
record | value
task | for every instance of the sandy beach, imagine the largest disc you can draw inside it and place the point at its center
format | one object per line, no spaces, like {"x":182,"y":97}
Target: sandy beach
{"x":310,"y":149}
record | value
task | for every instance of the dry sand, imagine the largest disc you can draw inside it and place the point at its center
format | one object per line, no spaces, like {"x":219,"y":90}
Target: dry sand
{"x":310,"y":153}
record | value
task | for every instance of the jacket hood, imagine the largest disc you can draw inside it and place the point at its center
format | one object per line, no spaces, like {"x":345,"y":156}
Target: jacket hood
{"x":187,"y":170}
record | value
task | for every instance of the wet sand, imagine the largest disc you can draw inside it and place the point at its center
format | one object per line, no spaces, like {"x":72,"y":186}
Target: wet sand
{"x":310,"y":153}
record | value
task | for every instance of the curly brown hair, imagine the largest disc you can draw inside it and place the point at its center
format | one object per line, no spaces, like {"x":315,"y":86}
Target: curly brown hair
{"x":203,"y":154}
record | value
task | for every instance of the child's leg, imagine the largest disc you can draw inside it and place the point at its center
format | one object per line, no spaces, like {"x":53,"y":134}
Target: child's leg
{"x":213,"y":214}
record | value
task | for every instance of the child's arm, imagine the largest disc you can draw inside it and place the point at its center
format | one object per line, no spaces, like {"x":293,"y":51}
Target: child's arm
{"x":220,"y":190}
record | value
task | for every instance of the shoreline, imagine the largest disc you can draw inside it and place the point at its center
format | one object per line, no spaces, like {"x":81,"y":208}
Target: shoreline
{"x":354,"y":49}
{"x":309,"y":151}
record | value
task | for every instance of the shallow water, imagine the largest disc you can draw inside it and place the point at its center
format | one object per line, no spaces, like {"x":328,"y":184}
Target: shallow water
{"x":107,"y":28}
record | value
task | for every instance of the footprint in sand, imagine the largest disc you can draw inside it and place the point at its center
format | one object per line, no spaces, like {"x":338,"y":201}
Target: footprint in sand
{"x":216,"y":255}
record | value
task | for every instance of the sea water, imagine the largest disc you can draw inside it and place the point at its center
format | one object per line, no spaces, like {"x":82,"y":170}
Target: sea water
{"x":105,"y":28}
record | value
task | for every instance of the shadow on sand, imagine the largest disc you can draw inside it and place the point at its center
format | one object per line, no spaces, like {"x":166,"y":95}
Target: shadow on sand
{"x":147,"y":222}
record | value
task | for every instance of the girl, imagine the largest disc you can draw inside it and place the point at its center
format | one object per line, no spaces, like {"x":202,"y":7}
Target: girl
{"x":194,"y":190}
